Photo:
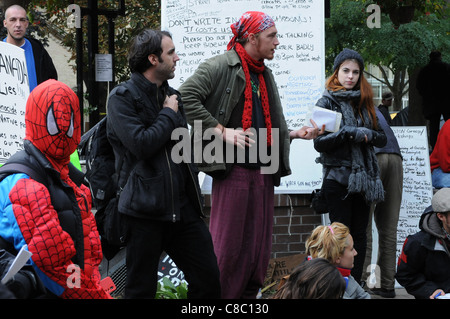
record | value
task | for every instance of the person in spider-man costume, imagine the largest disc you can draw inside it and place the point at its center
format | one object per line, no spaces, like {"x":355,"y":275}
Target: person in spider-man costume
{"x":54,"y":220}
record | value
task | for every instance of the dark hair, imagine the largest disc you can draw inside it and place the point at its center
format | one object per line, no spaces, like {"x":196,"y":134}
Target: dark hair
{"x":314,"y":279}
{"x":435,"y":55}
{"x":145,"y":43}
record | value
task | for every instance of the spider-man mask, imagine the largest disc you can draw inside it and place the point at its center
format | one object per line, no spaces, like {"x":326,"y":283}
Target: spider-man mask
{"x":52,"y":120}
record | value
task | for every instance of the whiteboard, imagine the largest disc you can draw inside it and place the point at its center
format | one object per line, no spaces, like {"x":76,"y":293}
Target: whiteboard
{"x":14,"y":91}
{"x":201,"y":29}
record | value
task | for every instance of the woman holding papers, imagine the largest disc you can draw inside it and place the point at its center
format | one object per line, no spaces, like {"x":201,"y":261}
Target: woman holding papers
{"x":351,"y":179}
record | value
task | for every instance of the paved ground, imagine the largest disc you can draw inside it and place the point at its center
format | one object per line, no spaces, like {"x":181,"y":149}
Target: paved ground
{"x":400,"y":293}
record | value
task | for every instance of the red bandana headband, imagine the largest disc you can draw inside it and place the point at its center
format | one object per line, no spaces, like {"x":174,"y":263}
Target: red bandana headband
{"x":252,"y":22}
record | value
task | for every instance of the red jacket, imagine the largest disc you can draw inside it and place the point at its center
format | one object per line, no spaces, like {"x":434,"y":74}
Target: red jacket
{"x":440,"y":157}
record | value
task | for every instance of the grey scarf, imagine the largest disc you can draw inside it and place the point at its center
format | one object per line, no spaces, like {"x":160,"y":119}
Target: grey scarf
{"x":364,"y":177}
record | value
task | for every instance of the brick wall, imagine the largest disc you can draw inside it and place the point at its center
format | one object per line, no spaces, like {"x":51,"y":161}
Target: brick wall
{"x":293,"y":222}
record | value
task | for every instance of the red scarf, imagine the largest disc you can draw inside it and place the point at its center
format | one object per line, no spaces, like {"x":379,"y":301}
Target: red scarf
{"x":248,"y":63}
{"x":344,"y":271}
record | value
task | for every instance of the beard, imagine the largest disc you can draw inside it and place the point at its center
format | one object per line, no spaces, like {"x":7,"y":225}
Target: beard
{"x":16,"y":38}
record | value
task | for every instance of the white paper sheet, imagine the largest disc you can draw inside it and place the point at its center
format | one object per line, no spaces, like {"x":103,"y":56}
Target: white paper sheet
{"x":21,"y":259}
{"x":321,"y":116}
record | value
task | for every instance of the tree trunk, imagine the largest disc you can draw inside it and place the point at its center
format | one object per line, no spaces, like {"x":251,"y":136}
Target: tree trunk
{"x":397,"y":87}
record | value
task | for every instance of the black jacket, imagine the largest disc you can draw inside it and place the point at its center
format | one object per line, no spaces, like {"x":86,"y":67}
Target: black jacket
{"x":26,"y":283}
{"x":62,"y":195}
{"x":424,"y":264}
{"x":140,"y":131}
{"x":335,"y":148}
{"x":45,"y":69}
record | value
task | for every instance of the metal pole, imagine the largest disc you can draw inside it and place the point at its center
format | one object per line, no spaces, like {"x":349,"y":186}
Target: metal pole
{"x":79,"y":39}
{"x":92,"y":50}
{"x":111,"y":48}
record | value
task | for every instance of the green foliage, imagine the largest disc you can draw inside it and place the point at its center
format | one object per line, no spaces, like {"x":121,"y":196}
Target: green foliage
{"x":403,"y":47}
{"x":400,"y":48}
{"x":408,"y":46}
{"x":422,"y":6}
{"x":343,"y":28}
{"x":392,"y":4}
{"x":167,"y":290}
{"x":138,"y":15}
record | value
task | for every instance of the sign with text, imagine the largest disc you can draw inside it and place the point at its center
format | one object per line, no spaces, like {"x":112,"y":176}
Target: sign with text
{"x":103,"y":68}
{"x":201,"y":29}
{"x":168,"y":269}
{"x":14,"y":91}
{"x":417,"y":187}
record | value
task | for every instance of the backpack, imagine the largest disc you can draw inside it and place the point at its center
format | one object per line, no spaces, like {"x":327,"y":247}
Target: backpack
{"x":12,"y":168}
{"x":102,"y":180}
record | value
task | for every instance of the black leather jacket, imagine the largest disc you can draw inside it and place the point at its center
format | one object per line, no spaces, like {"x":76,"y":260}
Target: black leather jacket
{"x":335,"y":147}
{"x":139,"y":130}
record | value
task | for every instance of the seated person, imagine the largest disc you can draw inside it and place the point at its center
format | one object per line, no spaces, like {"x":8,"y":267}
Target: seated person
{"x":440,"y":158}
{"x":335,"y":244}
{"x":424,"y":264}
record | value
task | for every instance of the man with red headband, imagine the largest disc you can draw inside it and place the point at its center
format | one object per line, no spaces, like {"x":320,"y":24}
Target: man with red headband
{"x":51,"y":215}
{"x":235,"y":94}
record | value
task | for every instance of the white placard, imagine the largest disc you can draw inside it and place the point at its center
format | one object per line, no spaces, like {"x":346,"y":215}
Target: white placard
{"x":417,"y":186}
{"x":201,"y":29}
{"x":14,"y":92}
{"x":103,"y":68}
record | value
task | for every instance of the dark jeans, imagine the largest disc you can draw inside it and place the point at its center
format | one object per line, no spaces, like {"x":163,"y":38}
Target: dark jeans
{"x":189,"y":245}
{"x":352,"y":211}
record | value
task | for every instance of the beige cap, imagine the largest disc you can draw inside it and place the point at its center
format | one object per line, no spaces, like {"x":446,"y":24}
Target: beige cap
{"x":441,"y":201}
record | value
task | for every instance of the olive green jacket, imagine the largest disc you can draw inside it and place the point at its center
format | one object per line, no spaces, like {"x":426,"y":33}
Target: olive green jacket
{"x":211,"y":94}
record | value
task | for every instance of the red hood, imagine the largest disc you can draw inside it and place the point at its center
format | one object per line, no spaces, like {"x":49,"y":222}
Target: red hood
{"x":52,"y":120}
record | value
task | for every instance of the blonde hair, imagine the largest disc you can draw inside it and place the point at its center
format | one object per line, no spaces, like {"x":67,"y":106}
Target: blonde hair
{"x":328,"y":242}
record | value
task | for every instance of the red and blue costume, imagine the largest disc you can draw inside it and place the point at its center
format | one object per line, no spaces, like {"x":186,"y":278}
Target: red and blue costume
{"x":54,"y":222}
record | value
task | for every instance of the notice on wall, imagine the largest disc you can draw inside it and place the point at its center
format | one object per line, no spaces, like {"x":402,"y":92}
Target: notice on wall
{"x":14,"y":91}
{"x":103,"y":68}
{"x":201,"y":29}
